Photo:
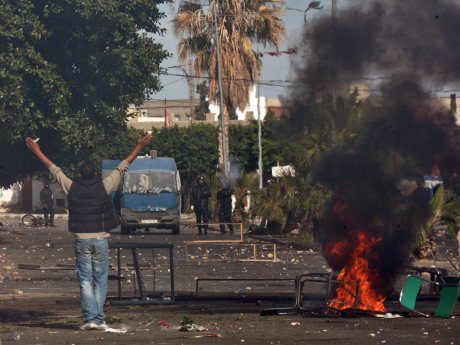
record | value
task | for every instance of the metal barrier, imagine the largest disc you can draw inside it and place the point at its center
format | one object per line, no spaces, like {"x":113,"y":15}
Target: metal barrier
{"x":134,"y":247}
{"x":237,"y":242}
{"x":300,"y":280}
{"x":256,"y":251}
{"x":197,"y":280}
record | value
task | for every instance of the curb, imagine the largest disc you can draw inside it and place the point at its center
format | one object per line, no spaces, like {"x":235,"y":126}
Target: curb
{"x":20,"y":215}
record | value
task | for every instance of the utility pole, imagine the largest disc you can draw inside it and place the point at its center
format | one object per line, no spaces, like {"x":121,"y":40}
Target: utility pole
{"x":334,"y":86}
{"x":191,"y":87}
{"x":225,"y":169}
{"x":453,"y":104}
{"x":453,"y":112}
{"x":259,"y":136}
{"x":333,"y":67}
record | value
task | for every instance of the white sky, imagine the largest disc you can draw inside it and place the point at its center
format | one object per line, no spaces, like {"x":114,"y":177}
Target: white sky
{"x":276,"y":70}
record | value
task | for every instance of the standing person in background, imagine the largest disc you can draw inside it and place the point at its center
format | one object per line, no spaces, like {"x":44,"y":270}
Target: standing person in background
{"x":47,"y":201}
{"x":91,"y":217}
{"x":433,"y":181}
{"x":224,"y":205}
{"x":199,"y":204}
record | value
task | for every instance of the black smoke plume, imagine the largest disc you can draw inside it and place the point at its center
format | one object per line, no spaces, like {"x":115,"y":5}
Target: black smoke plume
{"x":404,"y":51}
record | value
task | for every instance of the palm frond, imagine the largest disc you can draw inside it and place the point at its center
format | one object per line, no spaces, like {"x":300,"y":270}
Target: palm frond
{"x":444,"y":211}
{"x":240,"y":23}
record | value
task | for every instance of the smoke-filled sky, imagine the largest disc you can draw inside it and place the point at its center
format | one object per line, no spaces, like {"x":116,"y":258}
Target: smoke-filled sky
{"x":412,"y":46}
{"x":389,"y":37}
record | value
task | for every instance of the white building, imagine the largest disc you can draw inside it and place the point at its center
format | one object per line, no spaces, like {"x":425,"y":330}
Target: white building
{"x":251,"y":111}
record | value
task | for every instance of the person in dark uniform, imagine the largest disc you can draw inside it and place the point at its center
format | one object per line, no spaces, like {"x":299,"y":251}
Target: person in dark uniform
{"x":199,"y":204}
{"x":224,"y":204}
{"x":47,"y":201}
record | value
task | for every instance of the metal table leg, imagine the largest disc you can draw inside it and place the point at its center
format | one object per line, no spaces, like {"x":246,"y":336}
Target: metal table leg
{"x":140,"y":279}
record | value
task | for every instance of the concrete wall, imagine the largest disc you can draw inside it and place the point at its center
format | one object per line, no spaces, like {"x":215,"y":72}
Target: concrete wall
{"x":10,"y":197}
{"x":151,"y":113}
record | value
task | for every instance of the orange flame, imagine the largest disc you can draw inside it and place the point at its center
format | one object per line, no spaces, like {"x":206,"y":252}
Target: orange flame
{"x":356,"y":288}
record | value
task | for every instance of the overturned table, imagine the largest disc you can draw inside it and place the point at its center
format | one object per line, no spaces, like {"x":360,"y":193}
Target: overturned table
{"x":134,"y":247}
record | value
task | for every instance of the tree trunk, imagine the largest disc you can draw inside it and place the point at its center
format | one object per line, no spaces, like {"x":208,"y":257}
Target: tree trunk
{"x":220,"y":143}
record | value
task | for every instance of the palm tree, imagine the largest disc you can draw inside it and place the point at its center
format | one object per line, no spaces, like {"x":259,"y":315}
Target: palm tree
{"x":444,"y":212}
{"x":240,"y":24}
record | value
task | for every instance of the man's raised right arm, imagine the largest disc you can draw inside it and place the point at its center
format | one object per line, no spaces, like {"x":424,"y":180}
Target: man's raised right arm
{"x":141,"y":143}
{"x":112,"y":180}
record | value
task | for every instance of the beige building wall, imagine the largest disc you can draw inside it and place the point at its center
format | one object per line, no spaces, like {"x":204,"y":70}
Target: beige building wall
{"x":152,"y":114}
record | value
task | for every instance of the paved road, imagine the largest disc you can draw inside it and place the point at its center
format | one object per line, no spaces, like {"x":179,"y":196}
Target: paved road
{"x":52,"y":247}
{"x":30,"y":315}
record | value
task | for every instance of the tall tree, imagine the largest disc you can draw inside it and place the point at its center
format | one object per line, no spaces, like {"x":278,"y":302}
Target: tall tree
{"x":194,"y":148}
{"x":240,"y":24}
{"x":68,"y":71}
{"x":203,"y":107}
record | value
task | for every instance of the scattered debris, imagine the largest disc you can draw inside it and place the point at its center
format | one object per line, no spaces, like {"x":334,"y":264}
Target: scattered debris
{"x":115,"y":330}
{"x":388,"y":315}
{"x":186,"y":320}
{"x":164,"y":325}
{"x":209,"y":335}
{"x":192,"y":328}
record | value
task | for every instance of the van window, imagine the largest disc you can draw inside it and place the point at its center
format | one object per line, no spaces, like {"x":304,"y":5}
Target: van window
{"x":149,"y":182}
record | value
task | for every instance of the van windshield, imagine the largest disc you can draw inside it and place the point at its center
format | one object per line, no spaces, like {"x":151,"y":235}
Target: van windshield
{"x":148,"y":182}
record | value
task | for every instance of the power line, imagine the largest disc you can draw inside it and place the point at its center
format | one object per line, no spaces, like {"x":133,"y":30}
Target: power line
{"x":290,"y":83}
{"x":173,"y":82}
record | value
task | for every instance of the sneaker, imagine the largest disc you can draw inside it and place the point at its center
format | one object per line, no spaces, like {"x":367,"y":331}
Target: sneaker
{"x":88,"y":326}
{"x":102,"y":327}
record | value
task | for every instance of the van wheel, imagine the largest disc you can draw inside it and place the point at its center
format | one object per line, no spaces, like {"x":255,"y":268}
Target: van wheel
{"x":125,"y":230}
{"x":176,"y":230}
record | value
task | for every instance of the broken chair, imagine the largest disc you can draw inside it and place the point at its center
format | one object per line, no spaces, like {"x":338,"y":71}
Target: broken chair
{"x":299,"y":284}
{"x":449,"y":289}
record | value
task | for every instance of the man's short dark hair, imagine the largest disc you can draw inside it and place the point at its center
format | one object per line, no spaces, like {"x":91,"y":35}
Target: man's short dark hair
{"x":87,"y":170}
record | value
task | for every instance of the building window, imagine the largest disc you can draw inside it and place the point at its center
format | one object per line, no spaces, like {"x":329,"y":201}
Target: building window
{"x":144,"y":113}
{"x":249,"y":115}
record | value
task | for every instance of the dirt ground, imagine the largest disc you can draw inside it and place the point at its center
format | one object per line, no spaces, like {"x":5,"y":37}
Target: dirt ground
{"x":40,"y":306}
